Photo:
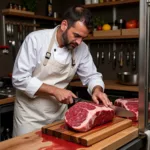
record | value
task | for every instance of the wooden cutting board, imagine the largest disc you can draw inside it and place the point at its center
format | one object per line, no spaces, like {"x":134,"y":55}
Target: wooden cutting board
{"x":60,"y":129}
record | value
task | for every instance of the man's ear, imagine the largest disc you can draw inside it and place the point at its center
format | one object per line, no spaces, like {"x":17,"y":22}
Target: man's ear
{"x":64,"y":25}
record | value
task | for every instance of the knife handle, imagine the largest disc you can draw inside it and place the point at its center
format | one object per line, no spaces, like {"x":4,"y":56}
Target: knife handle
{"x":75,"y":100}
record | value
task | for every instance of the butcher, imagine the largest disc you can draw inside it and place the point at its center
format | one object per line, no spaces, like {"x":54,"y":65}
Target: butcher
{"x":45,"y":64}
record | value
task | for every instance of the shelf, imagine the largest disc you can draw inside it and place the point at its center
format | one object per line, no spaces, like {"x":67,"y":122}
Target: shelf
{"x":7,"y":100}
{"x":111,"y":3}
{"x":112,"y":37}
{"x":46,"y":18}
{"x":109,"y":85}
{"x":26,"y":15}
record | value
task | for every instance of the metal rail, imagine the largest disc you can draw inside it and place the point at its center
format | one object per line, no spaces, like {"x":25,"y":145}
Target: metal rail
{"x":144,"y":66}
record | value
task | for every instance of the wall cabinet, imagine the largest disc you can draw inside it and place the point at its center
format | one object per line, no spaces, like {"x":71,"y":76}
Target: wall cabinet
{"x":17,"y":25}
{"x":15,"y":21}
{"x":115,"y":53}
{"x":113,"y":5}
{"x":6,"y":121}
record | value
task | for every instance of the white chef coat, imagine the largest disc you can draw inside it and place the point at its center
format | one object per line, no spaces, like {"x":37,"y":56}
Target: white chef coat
{"x":32,"y":112}
{"x":33,"y":51}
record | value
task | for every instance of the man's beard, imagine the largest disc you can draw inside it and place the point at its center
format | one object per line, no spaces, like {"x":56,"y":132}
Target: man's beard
{"x":66,"y":43}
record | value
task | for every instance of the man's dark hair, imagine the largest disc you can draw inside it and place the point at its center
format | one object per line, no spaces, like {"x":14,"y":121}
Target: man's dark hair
{"x":78,"y":13}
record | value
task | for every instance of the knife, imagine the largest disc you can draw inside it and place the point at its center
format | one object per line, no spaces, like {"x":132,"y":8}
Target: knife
{"x":119,"y":111}
{"x":122,"y":112}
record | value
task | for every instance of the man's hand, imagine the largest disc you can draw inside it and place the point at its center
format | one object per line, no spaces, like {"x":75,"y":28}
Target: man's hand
{"x":64,"y":96}
{"x":98,"y":95}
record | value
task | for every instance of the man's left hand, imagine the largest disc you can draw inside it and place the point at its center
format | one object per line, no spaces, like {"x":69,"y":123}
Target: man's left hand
{"x":99,"y":95}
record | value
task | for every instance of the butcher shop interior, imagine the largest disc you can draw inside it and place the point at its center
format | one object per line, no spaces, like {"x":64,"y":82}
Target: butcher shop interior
{"x":75,"y":75}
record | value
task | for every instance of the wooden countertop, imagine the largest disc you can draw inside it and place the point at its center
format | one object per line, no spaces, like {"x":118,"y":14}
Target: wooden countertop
{"x":38,"y":141}
{"x":109,"y":85}
{"x":7,"y":100}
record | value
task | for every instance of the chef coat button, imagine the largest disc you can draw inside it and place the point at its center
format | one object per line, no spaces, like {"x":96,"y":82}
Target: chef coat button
{"x":54,"y":50}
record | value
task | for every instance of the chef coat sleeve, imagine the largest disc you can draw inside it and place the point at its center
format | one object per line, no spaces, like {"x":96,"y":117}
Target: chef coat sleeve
{"x":87,"y":70}
{"x":24,"y":66}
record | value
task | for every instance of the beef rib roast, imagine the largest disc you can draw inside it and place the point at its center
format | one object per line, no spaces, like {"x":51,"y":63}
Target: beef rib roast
{"x":130,"y":104}
{"x":83,"y":116}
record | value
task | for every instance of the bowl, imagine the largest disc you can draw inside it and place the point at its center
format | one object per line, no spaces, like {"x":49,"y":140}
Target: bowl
{"x":1,"y":84}
{"x":127,"y":78}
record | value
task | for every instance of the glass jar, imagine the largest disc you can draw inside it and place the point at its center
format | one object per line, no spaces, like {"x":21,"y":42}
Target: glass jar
{"x":87,"y":2}
{"x":94,"y":1}
{"x":10,"y":5}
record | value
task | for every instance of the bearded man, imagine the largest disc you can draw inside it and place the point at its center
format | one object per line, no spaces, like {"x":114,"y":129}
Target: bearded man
{"x":46,"y":63}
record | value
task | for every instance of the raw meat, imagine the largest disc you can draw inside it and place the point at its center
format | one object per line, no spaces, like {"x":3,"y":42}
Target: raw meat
{"x":130,"y":104}
{"x":83,"y":116}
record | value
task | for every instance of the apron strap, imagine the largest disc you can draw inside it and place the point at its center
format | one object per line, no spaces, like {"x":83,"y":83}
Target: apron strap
{"x":48,"y":53}
{"x":73,"y":58}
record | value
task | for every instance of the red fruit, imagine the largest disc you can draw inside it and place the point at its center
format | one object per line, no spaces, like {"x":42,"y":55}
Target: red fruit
{"x":131,"y":24}
{"x":99,"y":27}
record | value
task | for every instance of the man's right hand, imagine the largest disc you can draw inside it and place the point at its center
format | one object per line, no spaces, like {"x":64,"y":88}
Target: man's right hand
{"x":62,"y":95}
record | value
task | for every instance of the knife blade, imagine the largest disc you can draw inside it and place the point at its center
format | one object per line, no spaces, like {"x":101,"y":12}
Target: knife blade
{"x":119,"y":111}
{"x":122,"y":112}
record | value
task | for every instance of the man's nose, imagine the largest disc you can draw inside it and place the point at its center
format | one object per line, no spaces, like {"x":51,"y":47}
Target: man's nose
{"x":78,"y":41}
